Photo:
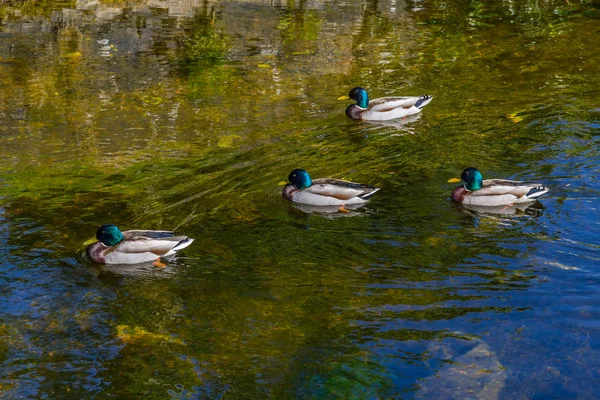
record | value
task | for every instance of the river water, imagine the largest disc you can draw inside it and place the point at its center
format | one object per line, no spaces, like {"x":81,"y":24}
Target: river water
{"x":189,"y":115}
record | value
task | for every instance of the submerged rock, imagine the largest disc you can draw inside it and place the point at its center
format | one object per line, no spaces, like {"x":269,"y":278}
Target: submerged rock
{"x":473,"y":371}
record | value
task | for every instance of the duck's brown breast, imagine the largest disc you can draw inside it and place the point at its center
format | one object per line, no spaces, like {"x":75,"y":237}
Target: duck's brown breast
{"x":458,"y":194}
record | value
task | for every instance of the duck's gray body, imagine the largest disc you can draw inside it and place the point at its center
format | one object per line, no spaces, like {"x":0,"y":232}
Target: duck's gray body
{"x":498,"y":192}
{"x":330,"y":192}
{"x":138,"y":246}
{"x":388,"y":108}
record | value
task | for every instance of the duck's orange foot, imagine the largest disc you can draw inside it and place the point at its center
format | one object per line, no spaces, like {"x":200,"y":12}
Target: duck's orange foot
{"x":159,"y":264}
{"x":343,"y":209}
{"x":507,"y":207}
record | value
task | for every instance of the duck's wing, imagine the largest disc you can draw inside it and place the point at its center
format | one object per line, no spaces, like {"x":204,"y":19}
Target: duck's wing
{"x":384,"y":104}
{"x":495,"y":187}
{"x":136,"y":234}
{"x":498,"y":192}
{"x":340,"y":189}
{"x":160,"y":243}
{"x":389,"y":103}
{"x":389,"y":108}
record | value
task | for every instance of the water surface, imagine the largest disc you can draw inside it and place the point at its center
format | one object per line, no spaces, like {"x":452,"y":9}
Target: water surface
{"x":190,"y":115}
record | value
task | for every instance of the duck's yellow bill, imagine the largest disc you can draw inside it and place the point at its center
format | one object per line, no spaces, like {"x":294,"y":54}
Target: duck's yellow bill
{"x":343,"y":98}
{"x":454,"y":180}
{"x":90,"y":241}
{"x":282,"y":183}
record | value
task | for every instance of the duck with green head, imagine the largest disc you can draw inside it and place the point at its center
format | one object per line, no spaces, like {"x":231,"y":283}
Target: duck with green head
{"x":385,"y":108}
{"x":134,"y":246}
{"x":494,"y":192}
{"x":325,"y":191}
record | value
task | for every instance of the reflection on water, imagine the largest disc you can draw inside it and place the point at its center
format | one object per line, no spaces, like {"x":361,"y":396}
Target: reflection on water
{"x":533,"y":209}
{"x":401,"y":124}
{"x":350,"y":210}
{"x":187,"y":115}
{"x":114,"y":274}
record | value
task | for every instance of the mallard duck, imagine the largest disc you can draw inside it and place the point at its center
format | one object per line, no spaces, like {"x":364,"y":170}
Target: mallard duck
{"x":494,"y":192}
{"x":385,"y":108}
{"x":135,"y":246}
{"x":325,"y":191}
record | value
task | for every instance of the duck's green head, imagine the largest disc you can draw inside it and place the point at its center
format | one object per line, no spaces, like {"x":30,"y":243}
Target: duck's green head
{"x":300,"y":178}
{"x":360,"y":95}
{"x":473,"y":178}
{"x":109,"y":235}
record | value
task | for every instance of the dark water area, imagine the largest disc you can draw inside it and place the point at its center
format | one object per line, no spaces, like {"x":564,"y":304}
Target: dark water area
{"x":190,"y":115}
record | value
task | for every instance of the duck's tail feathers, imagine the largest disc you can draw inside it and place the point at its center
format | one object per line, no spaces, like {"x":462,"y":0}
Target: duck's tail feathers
{"x":182,"y":245}
{"x":537,"y":191}
{"x":423,"y":101}
{"x":367,"y":196}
